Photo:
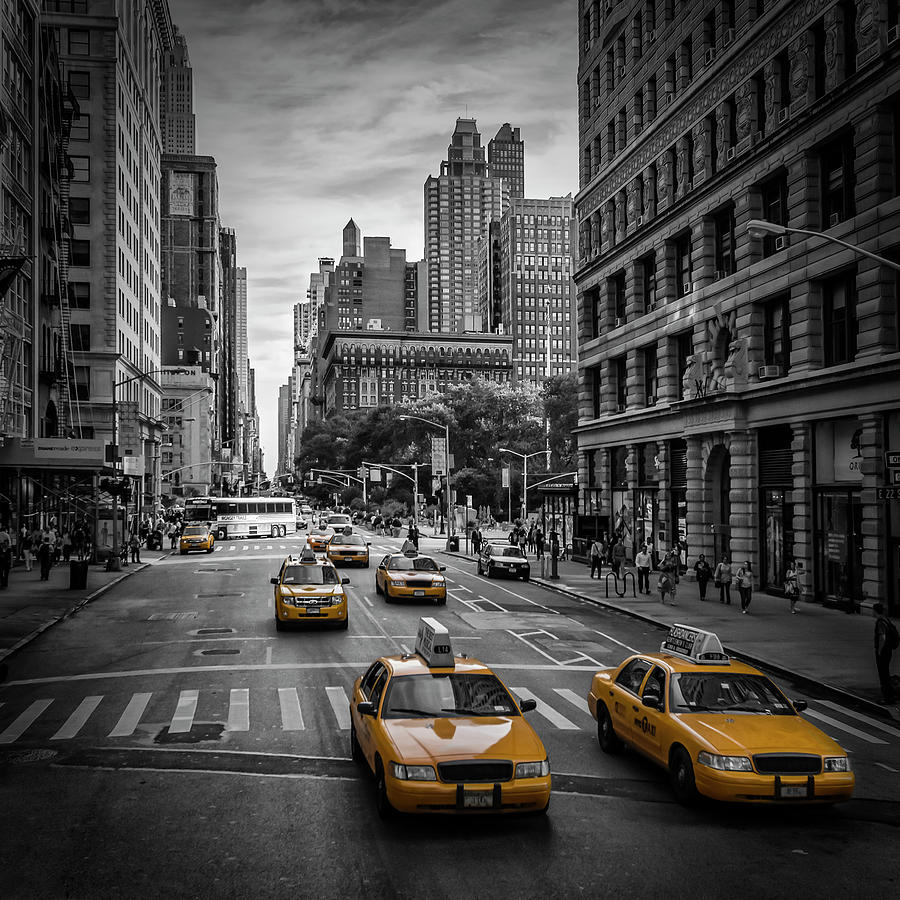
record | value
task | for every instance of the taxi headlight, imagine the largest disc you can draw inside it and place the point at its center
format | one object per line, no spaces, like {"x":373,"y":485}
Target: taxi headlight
{"x":413,"y":773}
{"x":395,"y":583}
{"x":837,"y":764}
{"x":533,"y":769}
{"x":724,"y":763}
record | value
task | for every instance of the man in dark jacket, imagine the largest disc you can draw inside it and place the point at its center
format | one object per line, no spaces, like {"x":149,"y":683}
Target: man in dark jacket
{"x":886,"y":640}
{"x":45,"y":558}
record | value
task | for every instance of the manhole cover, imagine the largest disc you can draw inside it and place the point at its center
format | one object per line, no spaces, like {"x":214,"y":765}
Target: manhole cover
{"x":214,"y":631}
{"x":216,"y":596}
{"x":171,"y":617}
{"x":205,"y":731}
{"x":219,"y":651}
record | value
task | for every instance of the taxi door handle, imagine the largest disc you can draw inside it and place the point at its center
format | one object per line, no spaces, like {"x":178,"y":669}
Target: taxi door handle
{"x":635,"y":708}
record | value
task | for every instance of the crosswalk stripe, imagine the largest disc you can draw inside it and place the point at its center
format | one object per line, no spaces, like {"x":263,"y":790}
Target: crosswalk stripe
{"x":860,"y":717}
{"x":23,"y":721}
{"x":574,"y":699}
{"x":291,"y":716}
{"x":341,"y":706}
{"x":184,"y":713}
{"x":76,"y":721}
{"x":239,"y":710}
{"x":834,"y":723}
{"x":547,"y":711}
{"x":129,"y":719}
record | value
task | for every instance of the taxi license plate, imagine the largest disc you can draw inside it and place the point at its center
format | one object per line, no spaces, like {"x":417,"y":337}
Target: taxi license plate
{"x":418,"y":593}
{"x":478,"y":799}
{"x":793,"y":790}
{"x":312,"y":611}
{"x":348,"y":559}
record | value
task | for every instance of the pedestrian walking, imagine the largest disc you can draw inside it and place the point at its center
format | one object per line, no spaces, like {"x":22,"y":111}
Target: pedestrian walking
{"x":6,"y":552}
{"x":669,"y":575}
{"x":45,"y":558}
{"x":792,"y":586}
{"x":539,"y":541}
{"x":523,"y":538}
{"x":530,"y":539}
{"x":744,"y":579}
{"x":596,"y":558}
{"x":643,"y":562}
{"x":887,"y":639}
{"x":618,"y":556}
{"x":27,"y":549}
{"x":703,"y":571}
{"x":66,"y":545}
{"x":723,"y":577}
{"x":134,"y":545}
{"x":666,"y":585}
{"x":476,"y":541}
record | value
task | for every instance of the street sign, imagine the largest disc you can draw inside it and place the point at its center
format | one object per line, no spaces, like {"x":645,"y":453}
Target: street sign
{"x":892,"y":459}
{"x":895,"y":476}
{"x":887,"y":493}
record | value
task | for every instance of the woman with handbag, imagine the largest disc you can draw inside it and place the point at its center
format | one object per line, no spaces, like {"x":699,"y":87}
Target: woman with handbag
{"x":722,"y":578}
{"x":792,"y":586}
{"x":745,"y":586}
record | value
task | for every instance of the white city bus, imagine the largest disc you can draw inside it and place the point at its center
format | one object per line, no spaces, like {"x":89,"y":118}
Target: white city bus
{"x":243,"y":517}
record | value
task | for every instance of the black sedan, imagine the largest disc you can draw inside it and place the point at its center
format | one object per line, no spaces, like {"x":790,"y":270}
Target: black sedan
{"x":503,"y":559}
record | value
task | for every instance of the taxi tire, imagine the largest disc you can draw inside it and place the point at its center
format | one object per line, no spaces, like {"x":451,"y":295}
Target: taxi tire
{"x":606,"y":735}
{"x":356,"y":753}
{"x":377,"y":588}
{"x":682,"y":776}
{"x":209,"y":549}
{"x":183,"y":552}
{"x":343,"y":626}
{"x":441,"y":601}
{"x":382,"y":802}
{"x":279,"y":625}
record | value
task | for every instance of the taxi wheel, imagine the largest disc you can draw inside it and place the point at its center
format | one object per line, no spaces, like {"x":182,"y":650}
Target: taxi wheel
{"x":441,"y":601}
{"x":184,"y":552}
{"x":606,"y":734}
{"x":209,"y":549}
{"x":355,"y":750}
{"x":343,"y":626}
{"x":382,"y":803}
{"x":683,"y":784}
{"x":479,"y":567}
{"x":279,"y":625}
{"x":387,"y":595}
{"x":377,"y":587}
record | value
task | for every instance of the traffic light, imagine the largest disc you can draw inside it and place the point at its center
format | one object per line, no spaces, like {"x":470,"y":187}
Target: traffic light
{"x":361,"y":472}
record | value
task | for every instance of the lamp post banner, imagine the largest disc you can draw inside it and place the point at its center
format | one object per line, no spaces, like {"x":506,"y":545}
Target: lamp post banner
{"x":438,"y":456}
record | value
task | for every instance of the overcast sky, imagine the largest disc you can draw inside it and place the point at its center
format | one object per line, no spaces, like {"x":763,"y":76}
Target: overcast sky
{"x":321,"y":110}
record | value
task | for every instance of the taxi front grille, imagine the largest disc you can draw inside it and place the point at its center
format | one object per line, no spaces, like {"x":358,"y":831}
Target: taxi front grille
{"x":787,"y":763}
{"x":418,"y":582}
{"x":475,"y":770}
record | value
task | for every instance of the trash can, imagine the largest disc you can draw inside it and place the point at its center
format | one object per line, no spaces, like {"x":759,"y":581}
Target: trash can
{"x":453,"y":543}
{"x":78,"y":572}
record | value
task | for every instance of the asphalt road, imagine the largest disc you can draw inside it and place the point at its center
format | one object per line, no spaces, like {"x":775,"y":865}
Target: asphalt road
{"x":167,"y":741}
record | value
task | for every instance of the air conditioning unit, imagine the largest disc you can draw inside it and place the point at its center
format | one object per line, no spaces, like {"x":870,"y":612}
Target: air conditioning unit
{"x":596,"y":102}
{"x":729,"y":154}
{"x":728,"y":37}
{"x":650,"y":399}
{"x":619,"y":321}
{"x":709,"y":56}
{"x":834,"y":219}
{"x":687,"y":287}
{"x":769,"y":372}
{"x":669,"y":98}
{"x":784,"y":115}
{"x":893,"y":34}
{"x":781,"y":242}
{"x":651,"y":36}
{"x":620,"y":407}
{"x":719,"y":273}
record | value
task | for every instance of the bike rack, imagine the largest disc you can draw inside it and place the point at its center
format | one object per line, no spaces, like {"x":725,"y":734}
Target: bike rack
{"x":624,"y":590}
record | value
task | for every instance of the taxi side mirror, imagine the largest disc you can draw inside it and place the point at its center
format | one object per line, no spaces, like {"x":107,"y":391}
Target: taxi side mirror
{"x":652,"y":701}
{"x":365,"y":708}
{"x":799,"y":705}
{"x":345,"y":581}
{"x":528,"y":705}
{"x":273,"y":580}
{"x":442,"y":568}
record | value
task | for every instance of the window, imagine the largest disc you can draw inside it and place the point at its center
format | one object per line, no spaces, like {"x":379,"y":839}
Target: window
{"x":620,"y":369}
{"x":79,"y":42}
{"x":596,"y":386}
{"x":723,"y":237}
{"x":684,"y":347}
{"x":616,"y":286}
{"x":80,"y":210}
{"x":774,"y":205}
{"x":81,"y":128}
{"x":80,"y":294}
{"x":81,"y":253}
{"x":80,"y":388}
{"x":650,"y":383}
{"x":818,"y":36}
{"x":81,"y":167}
{"x":682,"y":247}
{"x":632,"y":676}
{"x":836,"y":180}
{"x":686,"y":63}
{"x":839,"y":319}
{"x":592,"y":309}
{"x":648,"y":278}
{"x":777,"y":334}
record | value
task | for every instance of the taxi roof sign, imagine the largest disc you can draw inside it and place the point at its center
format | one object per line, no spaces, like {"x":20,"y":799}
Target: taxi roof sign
{"x":694,"y":644}
{"x":433,"y":644}
{"x":307,"y":555}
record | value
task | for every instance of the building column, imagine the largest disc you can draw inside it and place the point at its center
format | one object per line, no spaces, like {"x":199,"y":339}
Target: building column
{"x":802,"y":501}
{"x":664,"y":496}
{"x":874,"y":536}
{"x":699,"y":536}
{"x":743,"y":498}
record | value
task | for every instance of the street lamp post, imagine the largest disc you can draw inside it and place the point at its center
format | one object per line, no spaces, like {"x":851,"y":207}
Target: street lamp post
{"x":451,"y":526}
{"x":524,"y":457}
{"x":759,"y":228}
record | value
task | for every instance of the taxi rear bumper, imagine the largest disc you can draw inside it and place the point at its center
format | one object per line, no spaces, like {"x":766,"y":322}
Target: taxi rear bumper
{"x":749,"y":787}
{"x":517,"y":796}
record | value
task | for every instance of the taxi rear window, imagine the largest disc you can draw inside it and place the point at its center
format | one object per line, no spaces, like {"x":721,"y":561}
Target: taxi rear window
{"x":446,"y":696}
{"x":727,"y":692}
{"x":309,"y":575}
{"x":406,"y":564}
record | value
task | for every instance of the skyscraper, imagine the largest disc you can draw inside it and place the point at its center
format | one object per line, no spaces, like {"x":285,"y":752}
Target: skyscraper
{"x":176,"y":95}
{"x":506,"y":159}
{"x":459,"y":205}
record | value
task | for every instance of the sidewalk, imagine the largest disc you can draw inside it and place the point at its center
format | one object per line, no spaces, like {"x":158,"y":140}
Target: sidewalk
{"x":825,"y":648}
{"x":29,"y":606}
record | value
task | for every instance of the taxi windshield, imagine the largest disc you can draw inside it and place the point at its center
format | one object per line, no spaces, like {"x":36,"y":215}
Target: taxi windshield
{"x":349,"y":540}
{"x":196,"y":530}
{"x":408,"y":564}
{"x":446,"y":696}
{"x":727,"y":692}
{"x":309,"y":575}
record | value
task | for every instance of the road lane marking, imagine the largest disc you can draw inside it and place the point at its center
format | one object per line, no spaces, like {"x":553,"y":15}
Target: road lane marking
{"x":130,"y":719}
{"x":547,"y":711}
{"x":337,"y":697}
{"x":239,"y":710}
{"x":834,"y":723}
{"x":367,"y":601}
{"x":483,"y":599}
{"x":534,"y":647}
{"x":860,"y":717}
{"x":183,"y":719}
{"x":269,"y":655}
{"x":886,"y":766}
{"x":629,"y":649}
{"x":291,"y":717}
{"x":580,"y":657}
{"x":574,"y":699}
{"x":76,"y":721}
{"x":539,"y":631}
{"x":24,"y":721}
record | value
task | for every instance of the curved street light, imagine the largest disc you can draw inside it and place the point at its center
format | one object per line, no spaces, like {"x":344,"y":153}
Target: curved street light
{"x":760,"y":228}
{"x":524,"y":457}
{"x":451,"y":527}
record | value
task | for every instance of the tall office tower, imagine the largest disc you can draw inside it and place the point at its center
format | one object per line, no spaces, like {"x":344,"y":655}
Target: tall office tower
{"x":459,"y":205}
{"x":506,"y":159}
{"x":533,"y":251}
{"x":285,"y":441}
{"x":738,"y":381}
{"x":177,"y":99}
{"x":229,"y":433}
{"x":112,"y":56}
{"x":308,"y":312}
{"x":241,"y":342}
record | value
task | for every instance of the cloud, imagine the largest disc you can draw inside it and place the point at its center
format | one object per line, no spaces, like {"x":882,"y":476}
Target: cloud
{"x":321,"y":110}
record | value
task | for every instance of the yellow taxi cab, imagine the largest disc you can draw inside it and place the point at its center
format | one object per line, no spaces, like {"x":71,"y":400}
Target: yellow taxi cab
{"x":443,"y":734}
{"x":317,"y":540}
{"x":720,"y":727}
{"x":347,"y":547}
{"x":409,"y":575}
{"x":196,"y":537}
{"x":309,"y":589}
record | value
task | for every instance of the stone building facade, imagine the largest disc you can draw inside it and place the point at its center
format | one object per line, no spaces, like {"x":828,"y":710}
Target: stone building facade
{"x":739,"y":390}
